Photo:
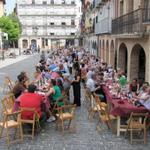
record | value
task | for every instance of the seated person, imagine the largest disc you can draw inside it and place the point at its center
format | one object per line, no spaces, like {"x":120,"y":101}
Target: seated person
{"x":134,"y":86}
{"x":122,"y":80}
{"x":142,"y":97}
{"x":37,"y":76}
{"x":31,"y":99}
{"x":60,"y":85}
{"x":20,"y":86}
{"x":91,"y":85}
{"x":54,"y":92}
{"x":46,"y":74}
{"x":26,"y":78}
{"x":146,"y":103}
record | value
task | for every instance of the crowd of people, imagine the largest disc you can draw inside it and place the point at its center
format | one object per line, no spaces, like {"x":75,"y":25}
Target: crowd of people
{"x":56,"y":72}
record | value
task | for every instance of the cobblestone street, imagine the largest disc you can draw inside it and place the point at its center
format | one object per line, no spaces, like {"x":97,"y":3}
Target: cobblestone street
{"x":83,"y":135}
{"x":74,"y":74}
{"x":84,"y":138}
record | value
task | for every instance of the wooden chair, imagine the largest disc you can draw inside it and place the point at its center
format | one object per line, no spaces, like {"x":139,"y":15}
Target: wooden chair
{"x":8,"y":85}
{"x":95,"y":106}
{"x":7,"y":104}
{"x":65,"y":94}
{"x":34,"y":121}
{"x":103,"y":113}
{"x":137,"y":123}
{"x":10,"y":123}
{"x":87,"y":96}
{"x":56,"y":104}
{"x":11,"y":96}
{"x":65,"y":113}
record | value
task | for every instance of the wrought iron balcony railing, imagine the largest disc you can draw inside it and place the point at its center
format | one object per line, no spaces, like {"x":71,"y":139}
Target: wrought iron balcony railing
{"x":33,"y":15}
{"x":131,"y":23}
{"x":66,"y":4}
{"x":49,"y":25}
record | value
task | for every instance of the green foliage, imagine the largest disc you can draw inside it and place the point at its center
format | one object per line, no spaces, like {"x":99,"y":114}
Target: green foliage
{"x":10,"y":25}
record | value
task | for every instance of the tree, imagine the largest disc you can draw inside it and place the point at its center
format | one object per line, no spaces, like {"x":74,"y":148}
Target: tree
{"x":11,"y":25}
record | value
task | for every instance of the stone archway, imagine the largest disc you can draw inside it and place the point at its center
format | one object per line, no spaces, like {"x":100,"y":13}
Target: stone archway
{"x":123,"y":57}
{"x":24,"y":43}
{"x":107,"y":52}
{"x":112,"y":53}
{"x":138,"y":62}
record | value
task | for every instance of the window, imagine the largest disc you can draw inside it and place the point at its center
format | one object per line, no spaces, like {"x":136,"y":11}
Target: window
{"x":33,"y":1}
{"x":63,"y":1}
{"x":51,"y":33}
{"x":44,"y":2}
{"x":51,"y":1}
{"x":46,"y":42}
{"x":121,"y":7}
{"x":96,"y":19}
{"x":72,"y":2}
{"x":51,"y":23}
{"x":72,"y":22}
{"x":72,"y":33}
{"x":146,"y":3}
{"x":63,"y":23}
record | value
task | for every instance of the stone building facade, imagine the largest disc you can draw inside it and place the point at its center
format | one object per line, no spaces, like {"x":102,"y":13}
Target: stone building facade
{"x":122,"y":34}
{"x":105,"y":12}
{"x":131,"y":28}
{"x":48,"y":23}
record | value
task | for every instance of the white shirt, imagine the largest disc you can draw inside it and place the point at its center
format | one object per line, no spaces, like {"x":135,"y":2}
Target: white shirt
{"x":90,"y":84}
{"x":89,"y":74}
{"x":66,"y":69}
{"x":146,"y":103}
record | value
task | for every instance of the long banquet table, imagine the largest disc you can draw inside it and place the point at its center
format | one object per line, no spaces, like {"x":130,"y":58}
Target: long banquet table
{"x":121,"y":108}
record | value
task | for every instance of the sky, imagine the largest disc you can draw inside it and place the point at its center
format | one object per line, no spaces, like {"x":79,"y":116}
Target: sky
{"x":10,"y":4}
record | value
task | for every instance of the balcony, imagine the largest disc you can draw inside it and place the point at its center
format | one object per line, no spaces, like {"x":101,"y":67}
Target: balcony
{"x":51,"y":36}
{"x":104,"y":26}
{"x":131,"y":24}
{"x":42,"y":15}
{"x":49,"y":25}
{"x":52,"y":5}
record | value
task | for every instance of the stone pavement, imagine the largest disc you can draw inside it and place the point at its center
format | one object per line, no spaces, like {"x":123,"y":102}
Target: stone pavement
{"x":83,"y":136}
{"x":86,"y":136}
{"x":9,"y":61}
